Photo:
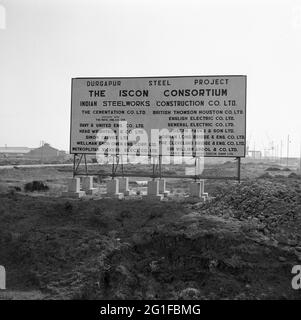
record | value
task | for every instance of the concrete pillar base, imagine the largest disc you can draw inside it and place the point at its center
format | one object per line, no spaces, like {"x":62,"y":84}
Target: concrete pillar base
{"x":113,"y":188}
{"x":162,"y":188}
{"x":124,"y":186}
{"x":196,"y":189}
{"x":153,"y":191}
{"x":73,"y":189}
{"x":87,"y":185}
{"x":73,"y":185}
{"x":153,"y":188}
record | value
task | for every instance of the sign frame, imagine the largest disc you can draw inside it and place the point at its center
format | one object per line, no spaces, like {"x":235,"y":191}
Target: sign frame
{"x":164,"y":77}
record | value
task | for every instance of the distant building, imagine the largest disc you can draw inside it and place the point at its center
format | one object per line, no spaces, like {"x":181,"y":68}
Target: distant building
{"x":46,"y":152}
{"x":14,"y":151}
{"x":254,"y":154}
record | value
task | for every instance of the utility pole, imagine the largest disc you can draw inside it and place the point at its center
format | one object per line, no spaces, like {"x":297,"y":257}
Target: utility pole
{"x":281,"y":152}
{"x":288,"y":146}
{"x":273,"y":151}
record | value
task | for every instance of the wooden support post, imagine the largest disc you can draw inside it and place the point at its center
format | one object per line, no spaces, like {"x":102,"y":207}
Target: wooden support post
{"x":154,"y":169}
{"x":74,"y":165}
{"x":195,"y":166}
{"x":113,"y":171}
{"x":160,"y":166}
{"x":86,"y":167}
{"x":238,"y":169}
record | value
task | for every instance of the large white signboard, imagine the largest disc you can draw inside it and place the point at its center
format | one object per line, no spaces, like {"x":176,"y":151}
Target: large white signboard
{"x":214,"y":104}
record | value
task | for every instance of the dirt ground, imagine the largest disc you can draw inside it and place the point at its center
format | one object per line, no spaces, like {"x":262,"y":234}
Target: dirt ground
{"x":242,"y":244}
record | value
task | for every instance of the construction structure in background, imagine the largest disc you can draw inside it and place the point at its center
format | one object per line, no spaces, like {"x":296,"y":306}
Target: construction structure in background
{"x":14,"y":152}
{"x":46,"y":153}
{"x":254,"y":154}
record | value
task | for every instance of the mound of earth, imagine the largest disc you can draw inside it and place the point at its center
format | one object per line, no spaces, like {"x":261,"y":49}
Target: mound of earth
{"x":241,"y":245}
{"x":272,"y":203}
{"x":272,"y":169}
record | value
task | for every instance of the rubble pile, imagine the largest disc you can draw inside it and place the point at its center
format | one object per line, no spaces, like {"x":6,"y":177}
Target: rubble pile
{"x":268,"y":202}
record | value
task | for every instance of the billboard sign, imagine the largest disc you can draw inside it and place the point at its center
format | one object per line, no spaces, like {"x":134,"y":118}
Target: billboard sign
{"x":213,"y":105}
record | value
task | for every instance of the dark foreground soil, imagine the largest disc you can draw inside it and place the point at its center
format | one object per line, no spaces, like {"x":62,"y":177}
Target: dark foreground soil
{"x":241,"y":245}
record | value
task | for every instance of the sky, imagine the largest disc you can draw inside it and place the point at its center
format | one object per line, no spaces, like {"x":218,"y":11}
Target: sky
{"x":43,"y":44}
